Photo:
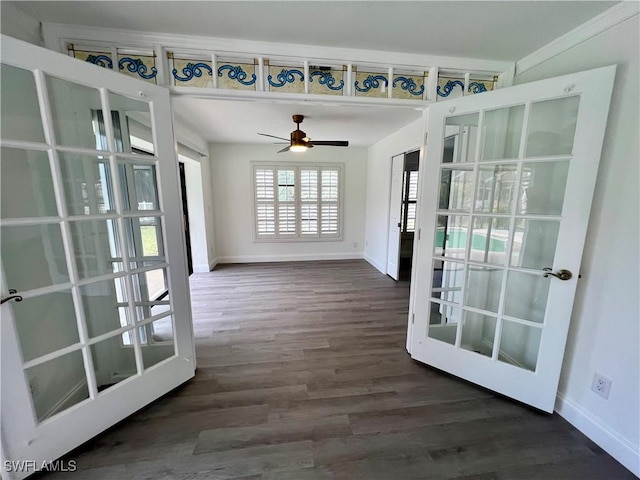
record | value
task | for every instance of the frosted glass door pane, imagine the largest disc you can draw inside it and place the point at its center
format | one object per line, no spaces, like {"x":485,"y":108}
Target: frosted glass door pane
{"x":158,"y":340}
{"x":138,"y":186}
{"x":45,"y":324}
{"x":542,"y":187}
{"x":443,"y":323}
{"x":52,"y":381}
{"x":26,"y":184}
{"x":113,"y":361}
{"x":526,"y":296}
{"x":134,"y":129}
{"x":33,"y":256}
{"x":489,"y":240}
{"x":534,"y":243}
{"x":104,"y":305}
{"x":552,"y":125}
{"x":483,"y":287}
{"x":75,"y":110}
{"x":21,"y":118}
{"x":96,"y":247}
{"x":519,"y":345}
{"x":452,"y":233}
{"x":496,"y":188}
{"x":87,"y":184}
{"x":456,"y":189}
{"x":478,"y":332}
{"x":448,"y":279}
{"x":461,"y":138}
{"x":502,"y":133}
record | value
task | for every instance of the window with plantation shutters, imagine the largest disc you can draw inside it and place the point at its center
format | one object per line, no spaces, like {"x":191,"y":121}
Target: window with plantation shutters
{"x":297,"y":202}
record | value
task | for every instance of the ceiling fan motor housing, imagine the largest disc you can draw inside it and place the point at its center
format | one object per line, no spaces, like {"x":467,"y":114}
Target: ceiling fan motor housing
{"x":298,"y":137}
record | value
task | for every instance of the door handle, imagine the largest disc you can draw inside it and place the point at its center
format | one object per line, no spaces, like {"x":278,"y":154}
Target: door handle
{"x":11,"y":296}
{"x":561,"y":274}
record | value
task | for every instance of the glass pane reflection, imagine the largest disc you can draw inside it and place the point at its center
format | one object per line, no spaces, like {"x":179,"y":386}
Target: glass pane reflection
{"x":443,"y":322}
{"x":19,"y":105}
{"x":478,"y":333}
{"x":519,"y":345}
{"x":26,"y":184}
{"x":543,"y":187}
{"x":57,"y":385}
{"x":552,"y":126}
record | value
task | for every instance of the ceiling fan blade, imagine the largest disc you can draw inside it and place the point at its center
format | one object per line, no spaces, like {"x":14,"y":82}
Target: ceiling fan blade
{"x":273,"y":136}
{"x":285,"y":149}
{"x":333,"y":143}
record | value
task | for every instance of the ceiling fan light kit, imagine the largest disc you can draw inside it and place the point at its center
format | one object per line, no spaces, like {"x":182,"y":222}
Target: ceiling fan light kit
{"x":299,"y":142}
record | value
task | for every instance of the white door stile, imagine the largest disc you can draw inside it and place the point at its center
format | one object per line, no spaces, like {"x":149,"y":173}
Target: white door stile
{"x":417,"y":236}
{"x":395,"y":208}
{"x":24,"y":438}
{"x":537,"y":388}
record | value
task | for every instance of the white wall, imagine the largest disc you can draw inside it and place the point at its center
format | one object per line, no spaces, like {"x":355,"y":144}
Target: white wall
{"x":199,"y":195}
{"x":232,"y":199}
{"x":604,"y":334}
{"x":18,"y":24}
{"x":379,"y":189}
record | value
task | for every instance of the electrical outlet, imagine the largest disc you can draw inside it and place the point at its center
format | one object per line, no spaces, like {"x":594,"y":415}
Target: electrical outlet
{"x":355,"y":244}
{"x":601,"y":385}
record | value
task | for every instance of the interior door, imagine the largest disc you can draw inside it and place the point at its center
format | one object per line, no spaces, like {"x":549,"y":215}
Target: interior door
{"x":91,"y":232}
{"x":506,"y":198}
{"x":395,"y":208}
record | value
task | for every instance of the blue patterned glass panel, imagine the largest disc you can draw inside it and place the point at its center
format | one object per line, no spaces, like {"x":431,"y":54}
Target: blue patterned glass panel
{"x":409,"y":87}
{"x":191,"y":72}
{"x":289,"y":79}
{"x":101,"y":57}
{"x":371,"y":84}
{"x":326,"y":81}
{"x":236,"y":75}
{"x":142,"y":67}
{"x":449,"y":87}
{"x":479,"y":86}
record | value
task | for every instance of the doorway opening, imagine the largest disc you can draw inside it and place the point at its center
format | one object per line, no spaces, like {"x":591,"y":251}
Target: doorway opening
{"x":402,"y":216}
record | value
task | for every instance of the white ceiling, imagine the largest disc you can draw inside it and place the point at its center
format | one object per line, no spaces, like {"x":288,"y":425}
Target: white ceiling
{"x":498,"y":30}
{"x":225,"y":121}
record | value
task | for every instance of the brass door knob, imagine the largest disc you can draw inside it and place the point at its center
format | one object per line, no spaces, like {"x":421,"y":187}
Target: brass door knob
{"x":561,"y":274}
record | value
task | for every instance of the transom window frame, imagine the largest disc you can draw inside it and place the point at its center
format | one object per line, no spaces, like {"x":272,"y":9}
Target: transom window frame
{"x":298,"y":202}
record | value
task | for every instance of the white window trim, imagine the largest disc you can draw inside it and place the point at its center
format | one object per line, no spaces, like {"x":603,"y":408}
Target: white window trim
{"x":299,"y":237}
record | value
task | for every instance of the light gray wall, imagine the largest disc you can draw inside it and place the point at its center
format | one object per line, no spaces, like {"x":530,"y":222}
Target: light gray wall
{"x":16,"y":23}
{"x":604,"y":334}
{"x":379,"y":189}
{"x":233,"y":211}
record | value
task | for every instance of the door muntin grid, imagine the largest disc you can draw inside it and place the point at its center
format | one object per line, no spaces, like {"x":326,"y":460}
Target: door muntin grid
{"x":494,"y":232}
{"x":92,"y":225}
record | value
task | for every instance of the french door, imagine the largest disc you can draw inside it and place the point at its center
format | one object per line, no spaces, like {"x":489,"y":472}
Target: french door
{"x":91,"y":227}
{"x":505,"y":203}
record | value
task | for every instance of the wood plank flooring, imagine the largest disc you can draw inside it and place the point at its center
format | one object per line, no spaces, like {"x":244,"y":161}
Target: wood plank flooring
{"x":303,"y":374}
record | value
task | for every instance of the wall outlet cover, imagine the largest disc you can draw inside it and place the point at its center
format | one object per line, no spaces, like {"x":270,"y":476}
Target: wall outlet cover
{"x":601,"y":385}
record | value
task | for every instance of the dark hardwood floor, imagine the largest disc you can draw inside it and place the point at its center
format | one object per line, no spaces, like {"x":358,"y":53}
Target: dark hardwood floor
{"x":303,"y":374}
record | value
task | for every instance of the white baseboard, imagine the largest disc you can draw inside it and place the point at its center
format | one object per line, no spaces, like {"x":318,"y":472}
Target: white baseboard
{"x":381,"y":268}
{"x":201,"y":268}
{"x":205,"y":267}
{"x":304,"y":257}
{"x":609,"y":440}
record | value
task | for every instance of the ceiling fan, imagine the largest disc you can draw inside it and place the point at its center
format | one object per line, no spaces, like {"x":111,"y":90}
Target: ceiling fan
{"x":300,"y":142}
